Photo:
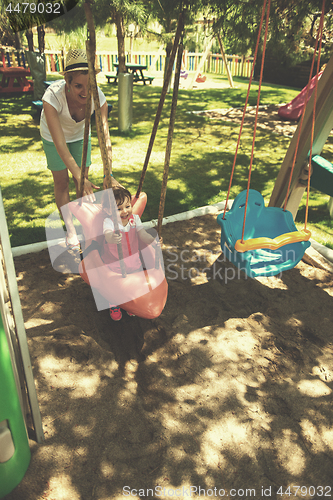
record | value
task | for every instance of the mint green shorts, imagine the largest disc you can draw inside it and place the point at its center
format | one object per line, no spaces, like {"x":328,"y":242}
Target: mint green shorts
{"x":55,"y":163}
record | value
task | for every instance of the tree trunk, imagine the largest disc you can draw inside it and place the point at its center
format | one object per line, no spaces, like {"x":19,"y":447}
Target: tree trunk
{"x":17,"y":41}
{"x":121,"y":43}
{"x":41,"y":38}
{"x":30,"y":39}
{"x":168,"y":50}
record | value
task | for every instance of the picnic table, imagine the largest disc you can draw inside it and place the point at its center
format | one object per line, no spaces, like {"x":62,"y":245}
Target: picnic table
{"x":14,"y":80}
{"x":136,"y":69}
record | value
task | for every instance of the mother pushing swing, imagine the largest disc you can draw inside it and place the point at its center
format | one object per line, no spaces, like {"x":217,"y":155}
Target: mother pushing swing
{"x":62,"y":130}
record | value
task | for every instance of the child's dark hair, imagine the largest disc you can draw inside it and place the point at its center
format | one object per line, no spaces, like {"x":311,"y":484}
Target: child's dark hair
{"x":120,"y":195}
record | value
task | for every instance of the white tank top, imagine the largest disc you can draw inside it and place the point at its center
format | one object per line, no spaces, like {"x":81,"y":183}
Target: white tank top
{"x":56,"y":96}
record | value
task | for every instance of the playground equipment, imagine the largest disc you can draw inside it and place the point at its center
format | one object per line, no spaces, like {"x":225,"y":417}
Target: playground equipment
{"x":144,"y":293}
{"x":293,"y":110}
{"x":301,"y":143}
{"x":152,"y":279}
{"x":265,"y":241}
{"x":271,"y":241}
{"x":201,"y":78}
{"x":14,"y":445}
{"x":322,"y":175}
{"x":17,"y":390}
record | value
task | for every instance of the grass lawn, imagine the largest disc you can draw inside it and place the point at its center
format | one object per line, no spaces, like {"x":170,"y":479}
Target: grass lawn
{"x":201,"y":160}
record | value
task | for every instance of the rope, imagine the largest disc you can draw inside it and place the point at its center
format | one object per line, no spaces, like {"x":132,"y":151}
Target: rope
{"x":91,"y":51}
{"x":256,"y":117}
{"x":179,"y":31}
{"x":244,"y":111}
{"x":85,"y":142}
{"x":169,"y":139}
{"x":320,"y":36}
{"x":303,"y":114}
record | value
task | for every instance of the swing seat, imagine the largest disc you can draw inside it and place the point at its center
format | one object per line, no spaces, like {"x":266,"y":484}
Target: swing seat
{"x":143,"y":293}
{"x":200,"y":78}
{"x":271,"y":242}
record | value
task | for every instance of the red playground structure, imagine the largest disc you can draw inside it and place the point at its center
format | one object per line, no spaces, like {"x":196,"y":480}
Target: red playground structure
{"x":293,"y":110}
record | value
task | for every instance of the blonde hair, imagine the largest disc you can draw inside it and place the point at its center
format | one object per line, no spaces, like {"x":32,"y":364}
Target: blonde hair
{"x":70,"y":75}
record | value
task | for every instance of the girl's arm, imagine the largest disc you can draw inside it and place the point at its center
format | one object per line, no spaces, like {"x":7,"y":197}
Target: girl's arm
{"x":112,"y":237}
{"x":58,"y":137}
{"x":145,"y":237}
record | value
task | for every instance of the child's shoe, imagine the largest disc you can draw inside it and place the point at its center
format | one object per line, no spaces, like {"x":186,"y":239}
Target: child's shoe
{"x":115,"y":313}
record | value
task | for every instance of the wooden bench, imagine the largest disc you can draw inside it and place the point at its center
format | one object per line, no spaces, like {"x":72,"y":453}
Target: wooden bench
{"x":149,"y":79}
{"x":109,"y":76}
{"x":136,"y":78}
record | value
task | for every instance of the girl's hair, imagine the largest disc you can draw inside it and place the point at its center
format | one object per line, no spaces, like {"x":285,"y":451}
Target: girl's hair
{"x":120,"y":194}
{"x":70,"y":75}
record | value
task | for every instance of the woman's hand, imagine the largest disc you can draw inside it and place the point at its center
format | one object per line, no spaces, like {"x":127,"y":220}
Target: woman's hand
{"x":88,"y":190}
{"x":114,"y":183}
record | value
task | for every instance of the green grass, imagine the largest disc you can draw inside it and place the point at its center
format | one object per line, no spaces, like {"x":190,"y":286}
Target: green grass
{"x":103,"y":43}
{"x":201,"y":160}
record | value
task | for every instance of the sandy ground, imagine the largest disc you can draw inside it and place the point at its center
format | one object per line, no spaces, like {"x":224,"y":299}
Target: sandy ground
{"x":227,"y":394}
{"x":230,"y":388}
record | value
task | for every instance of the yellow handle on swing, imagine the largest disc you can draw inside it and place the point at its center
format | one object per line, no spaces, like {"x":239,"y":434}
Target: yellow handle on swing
{"x":273,"y":243}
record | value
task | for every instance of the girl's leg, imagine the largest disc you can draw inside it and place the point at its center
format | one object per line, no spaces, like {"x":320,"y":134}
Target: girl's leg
{"x":115,"y":313}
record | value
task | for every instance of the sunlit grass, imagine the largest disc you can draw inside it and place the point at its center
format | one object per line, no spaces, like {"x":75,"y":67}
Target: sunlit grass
{"x":200,"y":166}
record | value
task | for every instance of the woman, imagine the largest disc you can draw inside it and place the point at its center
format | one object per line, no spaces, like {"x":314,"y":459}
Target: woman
{"x":62,"y":129}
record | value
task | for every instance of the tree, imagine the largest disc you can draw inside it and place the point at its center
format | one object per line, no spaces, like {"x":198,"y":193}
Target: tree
{"x":122,"y":13}
{"x":290,"y":25}
{"x":119,"y":12}
{"x":23,"y":16}
{"x":7,"y":36}
{"x":166,"y":12}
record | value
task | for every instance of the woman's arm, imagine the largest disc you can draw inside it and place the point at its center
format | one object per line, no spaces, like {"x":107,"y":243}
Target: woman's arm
{"x":58,"y":137}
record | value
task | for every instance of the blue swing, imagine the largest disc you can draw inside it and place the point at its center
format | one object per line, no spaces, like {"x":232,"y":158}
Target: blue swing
{"x":271,"y":242}
{"x":262,"y":241}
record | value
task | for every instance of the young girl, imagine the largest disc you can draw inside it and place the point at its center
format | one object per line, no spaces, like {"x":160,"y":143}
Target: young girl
{"x":131,"y":230}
